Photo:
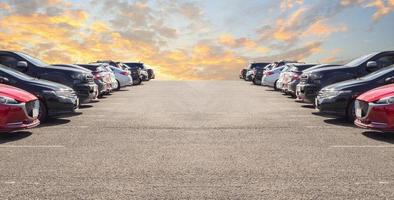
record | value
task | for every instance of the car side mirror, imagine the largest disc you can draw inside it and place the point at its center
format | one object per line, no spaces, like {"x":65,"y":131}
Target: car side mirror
{"x":389,"y":80}
{"x":22,"y":65}
{"x":372,"y":65}
{"x":4,"y":80}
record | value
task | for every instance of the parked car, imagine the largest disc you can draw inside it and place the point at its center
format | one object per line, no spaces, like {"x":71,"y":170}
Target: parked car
{"x":123,"y":77}
{"x":114,"y":83}
{"x":338,"y":99}
{"x":242,"y":73}
{"x":375,"y":109}
{"x":18,"y":109}
{"x":279,"y":82}
{"x":151,"y":72}
{"x":56,"y":100}
{"x":143,"y":71}
{"x":291,"y":78}
{"x":102,"y":77}
{"x":314,"y":80}
{"x":79,"y":80}
{"x":271,"y":77}
{"x":135,"y":73}
{"x":251,"y":70}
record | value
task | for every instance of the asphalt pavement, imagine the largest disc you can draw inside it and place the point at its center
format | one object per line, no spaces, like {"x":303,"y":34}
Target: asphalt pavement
{"x":197,"y":140}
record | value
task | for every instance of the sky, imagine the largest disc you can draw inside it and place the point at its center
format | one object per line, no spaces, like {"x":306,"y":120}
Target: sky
{"x":196,"y":40}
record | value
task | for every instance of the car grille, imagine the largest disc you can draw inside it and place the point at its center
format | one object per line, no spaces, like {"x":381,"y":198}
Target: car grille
{"x":30,"y":107}
{"x":304,"y":79}
{"x":89,"y":78}
{"x":364,"y":106}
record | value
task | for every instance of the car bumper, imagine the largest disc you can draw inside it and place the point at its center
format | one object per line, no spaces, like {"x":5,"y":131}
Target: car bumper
{"x":377,"y":117}
{"x":11,"y":127}
{"x":86,"y":92}
{"x":292,"y":87}
{"x":62,"y":106}
{"x":336,"y":106}
{"x":307,"y":92}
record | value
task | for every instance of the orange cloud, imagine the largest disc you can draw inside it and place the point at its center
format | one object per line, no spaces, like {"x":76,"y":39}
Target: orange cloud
{"x":319,"y":28}
{"x":383,"y":8}
{"x":287,"y":4}
{"x":232,"y":42}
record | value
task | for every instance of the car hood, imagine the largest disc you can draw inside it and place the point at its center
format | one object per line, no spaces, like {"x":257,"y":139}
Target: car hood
{"x":378,"y":93}
{"x":47,"y":85}
{"x":323,"y":66}
{"x":330,"y":69}
{"x":16,"y":93}
{"x":57,"y":68}
{"x":348,"y":85}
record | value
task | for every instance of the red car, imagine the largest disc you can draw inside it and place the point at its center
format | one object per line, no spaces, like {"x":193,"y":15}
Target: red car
{"x":375,"y":109}
{"x":18,"y":109}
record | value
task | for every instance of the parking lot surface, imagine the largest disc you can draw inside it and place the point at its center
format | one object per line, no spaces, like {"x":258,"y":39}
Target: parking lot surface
{"x":199,"y":140}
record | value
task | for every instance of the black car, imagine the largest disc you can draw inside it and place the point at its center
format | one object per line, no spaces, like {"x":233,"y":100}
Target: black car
{"x":314,"y":80}
{"x":79,"y":80}
{"x":101,"y":77}
{"x":250,"y":72}
{"x":55,"y":99}
{"x":338,"y":99}
{"x":144,"y":75}
{"x":135,"y":73}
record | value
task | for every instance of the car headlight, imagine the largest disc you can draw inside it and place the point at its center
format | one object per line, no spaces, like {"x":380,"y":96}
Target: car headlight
{"x":78,"y":77}
{"x":386,"y":100}
{"x":8,"y":100}
{"x":61,"y":93}
{"x":335,"y":93}
{"x":315,"y":78}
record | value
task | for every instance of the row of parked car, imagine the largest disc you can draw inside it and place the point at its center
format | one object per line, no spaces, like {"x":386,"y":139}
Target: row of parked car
{"x":362,"y":91}
{"x":32,"y":91}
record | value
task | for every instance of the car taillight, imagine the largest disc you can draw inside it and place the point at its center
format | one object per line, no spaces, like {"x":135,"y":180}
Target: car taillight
{"x":296,"y":77}
{"x":124,"y":73}
{"x":96,"y":75}
{"x":269,"y":73}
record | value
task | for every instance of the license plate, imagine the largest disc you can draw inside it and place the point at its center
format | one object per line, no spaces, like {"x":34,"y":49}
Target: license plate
{"x":359,"y":112}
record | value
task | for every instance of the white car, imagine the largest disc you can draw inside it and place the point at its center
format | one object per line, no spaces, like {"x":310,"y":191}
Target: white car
{"x":122,"y":77}
{"x":271,"y":77}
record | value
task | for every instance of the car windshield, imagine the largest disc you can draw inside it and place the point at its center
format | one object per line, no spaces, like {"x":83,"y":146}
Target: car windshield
{"x":135,"y":65}
{"x":15,"y":73}
{"x":301,"y":68}
{"x":358,"y":61}
{"x":378,"y":73}
{"x":257,"y":66}
{"x":33,"y":60}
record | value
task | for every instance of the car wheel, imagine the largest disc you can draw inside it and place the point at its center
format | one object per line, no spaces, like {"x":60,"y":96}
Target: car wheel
{"x":43,"y":115}
{"x":275,"y":88}
{"x":351,"y":112}
{"x":255,"y":81}
{"x":118,"y":88}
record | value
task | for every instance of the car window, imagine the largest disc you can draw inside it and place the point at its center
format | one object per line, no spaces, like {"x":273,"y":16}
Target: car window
{"x":358,"y":61}
{"x":378,"y":73}
{"x":385,"y":61}
{"x":15,"y":73}
{"x":8,"y":61}
{"x":33,"y":60}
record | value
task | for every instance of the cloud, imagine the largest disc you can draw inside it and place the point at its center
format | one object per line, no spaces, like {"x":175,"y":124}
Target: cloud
{"x":297,"y":54}
{"x":288,"y":4}
{"x":383,"y":8}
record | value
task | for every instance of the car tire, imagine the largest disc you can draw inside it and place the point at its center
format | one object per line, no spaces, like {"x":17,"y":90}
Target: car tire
{"x":118,"y":88}
{"x":350,"y":112}
{"x":43,"y":115}
{"x":255,"y":82}
{"x":275,"y":88}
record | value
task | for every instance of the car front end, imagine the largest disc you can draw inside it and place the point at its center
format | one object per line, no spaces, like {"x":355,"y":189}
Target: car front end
{"x":309,"y":87}
{"x":333,"y":102}
{"x":85,"y":87}
{"x":18,"y":110}
{"x":378,"y":115}
{"x":61,"y":102}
